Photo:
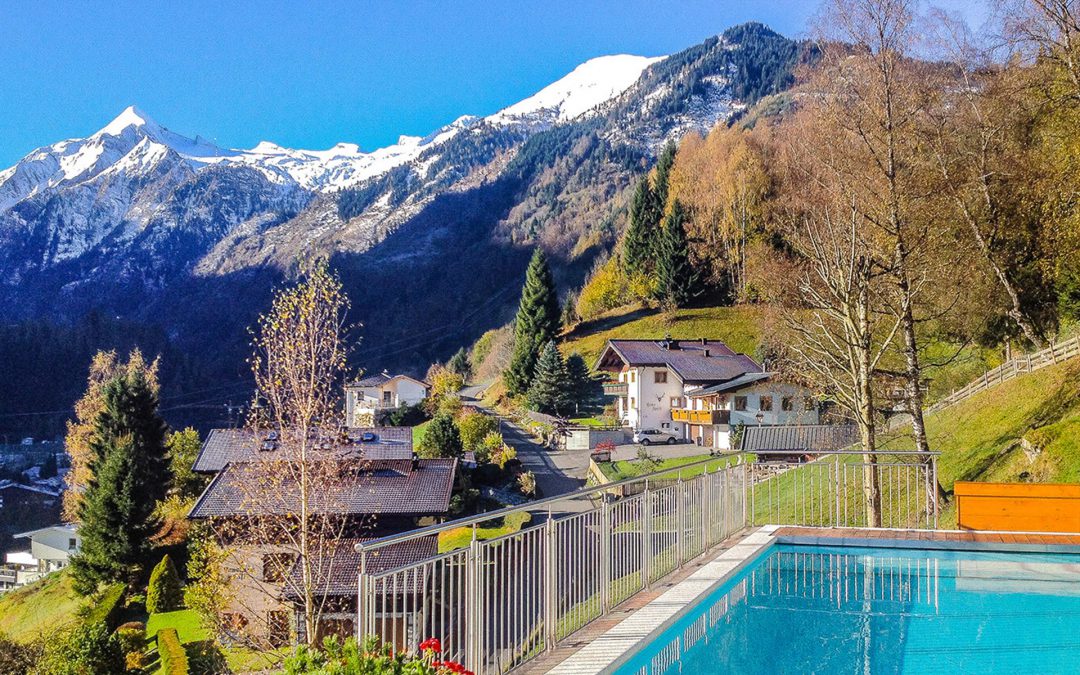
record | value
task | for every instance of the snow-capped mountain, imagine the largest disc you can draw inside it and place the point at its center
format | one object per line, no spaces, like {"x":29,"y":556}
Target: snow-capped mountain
{"x":150,"y":225}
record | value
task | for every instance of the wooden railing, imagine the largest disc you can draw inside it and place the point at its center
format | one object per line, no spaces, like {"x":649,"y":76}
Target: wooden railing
{"x":701,"y":416}
{"x":615,"y":388}
{"x":1019,"y":366}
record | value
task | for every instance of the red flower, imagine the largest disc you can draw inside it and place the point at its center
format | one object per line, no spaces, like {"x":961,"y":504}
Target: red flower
{"x":431,"y":645}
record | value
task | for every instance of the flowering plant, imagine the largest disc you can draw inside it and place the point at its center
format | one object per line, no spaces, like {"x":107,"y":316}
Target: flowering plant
{"x":371,"y":658}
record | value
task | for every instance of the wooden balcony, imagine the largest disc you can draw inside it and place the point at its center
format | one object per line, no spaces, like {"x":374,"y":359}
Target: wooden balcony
{"x":701,"y":416}
{"x":615,"y":388}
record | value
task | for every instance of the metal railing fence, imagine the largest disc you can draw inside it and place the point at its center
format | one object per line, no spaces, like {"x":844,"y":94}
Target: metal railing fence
{"x":498,"y":603}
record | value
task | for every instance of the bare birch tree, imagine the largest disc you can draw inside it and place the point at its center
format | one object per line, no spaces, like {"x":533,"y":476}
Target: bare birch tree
{"x":288,"y":510}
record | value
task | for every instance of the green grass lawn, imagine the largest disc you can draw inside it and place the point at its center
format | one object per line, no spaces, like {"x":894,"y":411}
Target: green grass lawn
{"x":451,"y":540}
{"x":739,"y":327}
{"x":418,"y":433}
{"x":620,"y":470}
{"x":40,"y":608}
{"x":980,"y":438}
{"x":185,"y":621}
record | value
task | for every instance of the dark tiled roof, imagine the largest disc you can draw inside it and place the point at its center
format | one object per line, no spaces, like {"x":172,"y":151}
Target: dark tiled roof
{"x":686,"y":357}
{"x":731,"y":385}
{"x":800,"y":438}
{"x":360,"y":488}
{"x":337,"y":573}
{"x":375,"y":380}
{"x":223,"y":446}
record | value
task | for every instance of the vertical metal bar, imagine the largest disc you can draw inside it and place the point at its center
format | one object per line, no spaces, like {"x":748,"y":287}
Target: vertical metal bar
{"x":646,"y":536}
{"x":605,"y":556}
{"x":680,"y":510}
{"x":549,"y":583}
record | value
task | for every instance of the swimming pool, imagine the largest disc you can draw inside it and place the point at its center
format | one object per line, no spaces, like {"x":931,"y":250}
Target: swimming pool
{"x":842,"y":609}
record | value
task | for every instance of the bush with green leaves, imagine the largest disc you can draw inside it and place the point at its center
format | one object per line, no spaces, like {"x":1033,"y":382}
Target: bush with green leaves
{"x":132,"y":636}
{"x":165,"y":593}
{"x":88,"y":649}
{"x":171,"y":651}
{"x":442,"y":438}
{"x":372,"y":658}
{"x":474,"y":427}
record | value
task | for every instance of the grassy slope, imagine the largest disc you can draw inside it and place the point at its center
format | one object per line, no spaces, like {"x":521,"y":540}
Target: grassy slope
{"x":451,"y":540}
{"x":738,"y":327}
{"x":979,"y":438}
{"x":40,"y":608}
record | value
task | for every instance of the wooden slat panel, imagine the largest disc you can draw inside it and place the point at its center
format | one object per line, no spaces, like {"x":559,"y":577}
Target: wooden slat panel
{"x":1017,"y":507}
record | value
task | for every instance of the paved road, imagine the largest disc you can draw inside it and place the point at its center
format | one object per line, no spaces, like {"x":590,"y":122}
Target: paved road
{"x":556,"y":472}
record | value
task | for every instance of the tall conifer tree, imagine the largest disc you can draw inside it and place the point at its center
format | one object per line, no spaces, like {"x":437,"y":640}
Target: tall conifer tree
{"x":551,"y":390}
{"x":538,"y":322}
{"x":641,"y":231}
{"x":676,"y":278}
{"x":130,"y":476}
{"x":663,"y":176}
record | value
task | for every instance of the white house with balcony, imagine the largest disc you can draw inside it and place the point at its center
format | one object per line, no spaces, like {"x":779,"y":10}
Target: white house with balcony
{"x":51,"y":549}
{"x":370,"y":395}
{"x":700,"y":389}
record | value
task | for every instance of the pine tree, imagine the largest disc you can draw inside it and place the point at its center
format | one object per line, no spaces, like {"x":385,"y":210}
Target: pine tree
{"x":663,"y":176}
{"x":550,"y":391}
{"x":538,"y":322}
{"x":130,"y":475}
{"x":582,"y":384}
{"x":442,"y":438}
{"x":459,"y":363}
{"x":641,"y":231}
{"x":676,"y":278}
{"x":164,"y":593}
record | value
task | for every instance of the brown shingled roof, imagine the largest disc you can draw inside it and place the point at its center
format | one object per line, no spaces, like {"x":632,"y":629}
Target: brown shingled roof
{"x":694,"y":361}
{"x":367,"y":487}
{"x":223,"y":446}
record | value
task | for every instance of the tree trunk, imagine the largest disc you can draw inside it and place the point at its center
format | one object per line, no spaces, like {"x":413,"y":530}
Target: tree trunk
{"x":871,"y":483}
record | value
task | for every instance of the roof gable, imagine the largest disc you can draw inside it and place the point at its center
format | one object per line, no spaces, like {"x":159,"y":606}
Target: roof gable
{"x":694,"y":361}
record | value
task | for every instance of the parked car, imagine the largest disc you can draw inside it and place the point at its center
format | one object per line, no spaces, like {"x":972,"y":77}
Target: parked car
{"x":650,"y":436}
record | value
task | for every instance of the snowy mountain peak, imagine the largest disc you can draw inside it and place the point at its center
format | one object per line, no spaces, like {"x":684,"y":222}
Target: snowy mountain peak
{"x":589,"y":85}
{"x":131,"y":117}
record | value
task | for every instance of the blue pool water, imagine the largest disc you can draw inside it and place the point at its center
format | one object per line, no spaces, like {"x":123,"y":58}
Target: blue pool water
{"x":814,"y":609}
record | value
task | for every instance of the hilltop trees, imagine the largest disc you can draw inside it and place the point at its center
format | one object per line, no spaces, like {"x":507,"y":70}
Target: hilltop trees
{"x":538,"y":322}
{"x":130,"y":475}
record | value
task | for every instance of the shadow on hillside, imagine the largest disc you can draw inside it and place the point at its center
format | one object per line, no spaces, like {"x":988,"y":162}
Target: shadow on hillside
{"x":608,"y":322}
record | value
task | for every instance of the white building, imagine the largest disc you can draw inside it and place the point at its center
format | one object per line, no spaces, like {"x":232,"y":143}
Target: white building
{"x":369,"y":395}
{"x":51,"y":549}
{"x":699,"y":389}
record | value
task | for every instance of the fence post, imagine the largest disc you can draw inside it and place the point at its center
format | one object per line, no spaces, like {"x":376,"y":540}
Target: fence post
{"x":680,"y":512}
{"x":549,"y":583}
{"x":473,"y":610}
{"x":836,"y":490}
{"x":706,"y":509}
{"x":362,"y":600}
{"x":747,"y":521}
{"x":933,"y":464}
{"x":605,"y":556}
{"x":646,"y":535}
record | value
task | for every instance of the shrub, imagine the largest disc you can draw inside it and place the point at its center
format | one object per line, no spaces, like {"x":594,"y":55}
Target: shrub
{"x":173,"y":657}
{"x":89,"y":648}
{"x":17,"y":658}
{"x":474,"y":427}
{"x":105,"y":606}
{"x":164,"y":594}
{"x":132,"y":636}
{"x":441,"y":439}
{"x":348,"y":657}
{"x":527,"y":483}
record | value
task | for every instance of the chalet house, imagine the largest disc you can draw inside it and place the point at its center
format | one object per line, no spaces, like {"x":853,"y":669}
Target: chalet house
{"x":365,"y":397}
{"x":25,"y":506}
{"x":372,"y":484}
{"x":699,"y":389}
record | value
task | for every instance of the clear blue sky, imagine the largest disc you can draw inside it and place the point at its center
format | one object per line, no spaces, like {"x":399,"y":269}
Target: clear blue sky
{"x":311,"y":74}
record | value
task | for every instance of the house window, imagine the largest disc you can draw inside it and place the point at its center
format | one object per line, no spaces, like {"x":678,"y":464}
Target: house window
{"x":631,"y":376}
{"x":632,"y":403}
{"x":277,"y":627}
{"x":276,"y":566}
{"x":740,"y":403}
{"x":387,"y":397}
{"x":660,"y":377}
{"x":787,"y":403}
{"x":676,"y":401}
{"x":766,"y":403}
{"x":73,"y":544}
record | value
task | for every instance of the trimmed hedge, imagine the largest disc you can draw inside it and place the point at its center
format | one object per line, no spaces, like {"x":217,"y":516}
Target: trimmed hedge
{"x":173,"y":657}
{"x":107,"y":607}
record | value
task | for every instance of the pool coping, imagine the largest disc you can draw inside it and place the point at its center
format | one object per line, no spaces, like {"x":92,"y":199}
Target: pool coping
{"x":616,"y":646}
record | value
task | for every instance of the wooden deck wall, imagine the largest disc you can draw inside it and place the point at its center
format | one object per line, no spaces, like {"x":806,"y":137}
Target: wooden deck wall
{"x":1018,"y":507}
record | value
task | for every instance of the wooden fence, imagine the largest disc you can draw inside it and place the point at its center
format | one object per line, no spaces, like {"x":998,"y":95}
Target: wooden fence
{"x":1018,"y":507}
{"x":1053,"y":354}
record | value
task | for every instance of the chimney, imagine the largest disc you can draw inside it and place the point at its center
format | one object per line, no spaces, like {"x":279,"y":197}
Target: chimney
{"x":704,"y":341}
{"x":706,"y":353}
{"x":415,"y":462}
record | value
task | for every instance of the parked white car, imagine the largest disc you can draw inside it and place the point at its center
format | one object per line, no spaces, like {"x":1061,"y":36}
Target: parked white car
{"x":650,"y":436}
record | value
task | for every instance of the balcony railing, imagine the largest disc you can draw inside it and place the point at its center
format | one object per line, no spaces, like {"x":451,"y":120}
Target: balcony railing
{"x":497,"y":604}
{"x":615,"y":389}
{"x":701,"y":416}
